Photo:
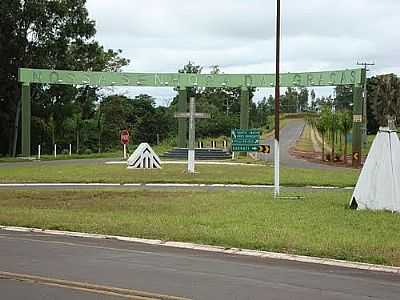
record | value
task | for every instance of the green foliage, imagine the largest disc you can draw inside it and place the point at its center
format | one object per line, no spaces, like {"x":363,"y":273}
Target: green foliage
{"x":139,"y":115}
{"x":344,"y":97}
{"x":53,"y":35}
{"x":335,"y":123}
{"x":384,"y":98}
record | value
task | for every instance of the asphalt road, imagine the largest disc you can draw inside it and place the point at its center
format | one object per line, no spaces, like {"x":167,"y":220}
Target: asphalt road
{"x":288,"y":137}
{"x":175,"y":272}
{"x":17,"y":290}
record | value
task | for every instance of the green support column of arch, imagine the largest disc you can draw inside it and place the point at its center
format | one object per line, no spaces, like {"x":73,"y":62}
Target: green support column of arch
{"x":244,"y":108}
{"x":357,"y":125}
{"x":26,"y":120}
{"x":182,"y":123}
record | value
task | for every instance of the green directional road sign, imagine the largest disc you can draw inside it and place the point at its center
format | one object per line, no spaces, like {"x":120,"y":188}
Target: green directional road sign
{"x":252,"y":148}
{"x":245,"y":148}
{"x":245,"y":133}
{"x":246,"y":142}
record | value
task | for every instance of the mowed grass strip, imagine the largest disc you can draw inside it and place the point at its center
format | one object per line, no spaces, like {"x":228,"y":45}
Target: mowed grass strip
{"x":320,"y":225}
{"x":89,"y":173}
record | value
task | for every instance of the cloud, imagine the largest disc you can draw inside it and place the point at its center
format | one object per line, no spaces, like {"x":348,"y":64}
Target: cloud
{"x":238,"y":35}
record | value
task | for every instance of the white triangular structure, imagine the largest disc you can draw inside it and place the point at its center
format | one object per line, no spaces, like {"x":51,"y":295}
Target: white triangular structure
{"x":144,"y":157}
{"x":378,"y":187}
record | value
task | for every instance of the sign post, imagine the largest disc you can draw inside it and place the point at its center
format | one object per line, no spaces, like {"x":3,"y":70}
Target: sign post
{"x":277,"y":97}
{"x":192,"y":116}
{"x":125,"y":141}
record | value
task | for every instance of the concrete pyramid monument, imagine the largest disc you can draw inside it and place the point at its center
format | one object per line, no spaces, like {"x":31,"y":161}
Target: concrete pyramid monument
{"x":144,"y":157}
{"x":378,"y":187}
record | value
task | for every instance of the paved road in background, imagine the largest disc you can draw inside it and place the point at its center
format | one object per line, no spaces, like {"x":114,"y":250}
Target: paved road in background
{"x":288,"y":137}
{"x":178,"y":272}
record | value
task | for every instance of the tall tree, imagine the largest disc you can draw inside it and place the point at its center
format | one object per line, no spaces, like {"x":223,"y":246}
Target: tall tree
{"x":44,"y":34}
{"x":344,"y":96}
{"x":384,"y":97}
{"x":303,"y":99}
{"x":345,"y":125}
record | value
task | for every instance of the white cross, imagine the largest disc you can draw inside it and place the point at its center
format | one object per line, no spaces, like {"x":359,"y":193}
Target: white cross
{"x":192,"y":116}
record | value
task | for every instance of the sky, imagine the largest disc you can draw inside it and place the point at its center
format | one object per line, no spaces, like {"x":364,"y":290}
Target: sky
{"x":239,"y":36}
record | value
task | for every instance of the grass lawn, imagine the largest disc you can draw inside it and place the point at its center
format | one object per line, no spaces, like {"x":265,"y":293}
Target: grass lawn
{"x":260,"y":174}
{"x":319,"y":225}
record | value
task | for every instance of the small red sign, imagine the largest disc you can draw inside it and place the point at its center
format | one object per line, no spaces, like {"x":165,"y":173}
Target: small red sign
{"x":125,"y":137}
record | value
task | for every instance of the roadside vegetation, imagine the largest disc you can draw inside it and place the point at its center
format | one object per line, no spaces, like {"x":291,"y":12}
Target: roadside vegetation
{"x":320,"y":225}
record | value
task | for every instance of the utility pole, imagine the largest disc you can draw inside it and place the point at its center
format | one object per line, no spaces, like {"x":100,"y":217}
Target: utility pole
{"x":365,"y":121}
{"x":277,"y":97}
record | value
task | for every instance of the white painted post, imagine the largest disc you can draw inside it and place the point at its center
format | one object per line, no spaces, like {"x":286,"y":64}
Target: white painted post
{"x":276,"y":165}
{"x":39,"y":150}
{"x":191,"y":161}
{"x":70,"y":149}
{"x":55,"y":150}
{"x":192,"y":115}
{"x":192,"y":137}
{"x":125,"y":151}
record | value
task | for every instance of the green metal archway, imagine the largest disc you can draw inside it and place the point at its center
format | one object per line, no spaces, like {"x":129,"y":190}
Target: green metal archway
{"x":182,"y":82}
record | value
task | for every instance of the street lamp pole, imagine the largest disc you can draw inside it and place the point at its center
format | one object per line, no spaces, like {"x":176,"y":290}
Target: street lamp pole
{"x":277,"y":98}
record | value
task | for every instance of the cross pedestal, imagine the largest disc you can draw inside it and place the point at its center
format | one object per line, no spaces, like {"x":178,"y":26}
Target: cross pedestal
{"x":192,"y":116}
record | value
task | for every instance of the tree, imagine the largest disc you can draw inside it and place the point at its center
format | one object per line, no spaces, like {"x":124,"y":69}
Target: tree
{"x":45,"y":34}
{"x":384,"y":97}
{"x":289,"y":102}
{"x":322,"y":125}
{"x":303,"y":99}
{"x":345,"y":125}
{"x":116,"y":110}
{"x":191,"y":68}
{"x":344,"y":96}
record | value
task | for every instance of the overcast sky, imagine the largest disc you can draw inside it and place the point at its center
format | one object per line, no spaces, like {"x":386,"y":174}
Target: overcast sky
{"x":238,"y":35}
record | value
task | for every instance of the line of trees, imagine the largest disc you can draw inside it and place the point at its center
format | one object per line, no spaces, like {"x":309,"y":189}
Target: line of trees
{"x":333,"y":126}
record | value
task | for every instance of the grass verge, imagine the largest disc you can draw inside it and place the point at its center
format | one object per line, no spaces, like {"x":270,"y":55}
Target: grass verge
{"x":89,"y":173}
{"x":320,"y":225}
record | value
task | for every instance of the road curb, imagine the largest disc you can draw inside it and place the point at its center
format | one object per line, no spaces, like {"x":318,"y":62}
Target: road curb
{"x":217,"y":249}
